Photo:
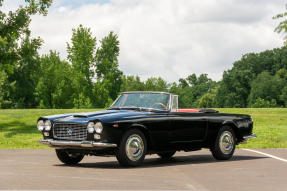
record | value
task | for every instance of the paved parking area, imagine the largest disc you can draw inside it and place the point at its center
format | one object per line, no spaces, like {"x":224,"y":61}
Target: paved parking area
{"x":40,"y":169}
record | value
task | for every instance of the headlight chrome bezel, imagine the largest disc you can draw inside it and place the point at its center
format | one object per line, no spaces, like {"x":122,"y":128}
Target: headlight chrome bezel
{"x":41,"y":125}
{"x":91,"y":127}
{"x":99,"y":127}
{"x":48,"y":125}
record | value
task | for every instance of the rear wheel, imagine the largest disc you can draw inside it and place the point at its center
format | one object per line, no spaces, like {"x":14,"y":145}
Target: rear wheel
{"x":224,"y":144}
{"x":166,"y":155}
{"x":69,"y":158}
{"x":132,"y":149}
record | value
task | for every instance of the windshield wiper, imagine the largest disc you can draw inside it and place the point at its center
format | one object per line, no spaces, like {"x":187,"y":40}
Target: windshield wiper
{"x":125,"y":108}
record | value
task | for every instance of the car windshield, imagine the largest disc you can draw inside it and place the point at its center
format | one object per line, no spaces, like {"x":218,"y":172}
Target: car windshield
{"x":157,"y":101}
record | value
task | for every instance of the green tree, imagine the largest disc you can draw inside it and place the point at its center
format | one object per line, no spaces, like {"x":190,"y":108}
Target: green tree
{"x":5,"y":94}
{"x":15,"y":42}
{"x":207,"y":101}
{"x":3,"y":82}
{"x":185,"y":94}
{"x":107,"y":65}
{"x":192,"y":88}
{"x":283,"y":96}
{"x":81,"y":54}
{"x":156,"y":84}
{"x":261,"y":103}
{"x":266,"y":87}
{"x":282,"y":26}
{"x":132,"y":83}
{"x":235,"y":86}
{"x":12,"y":26}
{"x":102,"y":98}
{"x":282,"y":75}
{"x":26,"y":73}
{"x":201,"y":85}
{"x":54,"y":88}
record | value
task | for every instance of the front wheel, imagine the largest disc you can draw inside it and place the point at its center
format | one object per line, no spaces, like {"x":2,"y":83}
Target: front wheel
{"x":224,"y":144}
{"x":69,"y":158}
{"x":132,"y":149}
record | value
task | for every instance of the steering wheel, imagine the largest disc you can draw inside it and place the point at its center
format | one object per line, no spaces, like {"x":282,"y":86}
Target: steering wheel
{"x":161,"y":104}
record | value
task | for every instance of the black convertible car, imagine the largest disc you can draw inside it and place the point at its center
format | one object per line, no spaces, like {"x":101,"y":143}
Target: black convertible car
{"x":140,"y":123}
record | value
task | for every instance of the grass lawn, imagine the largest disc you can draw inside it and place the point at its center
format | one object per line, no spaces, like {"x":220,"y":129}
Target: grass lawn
{"x":270,"y":125}
{"x":18,"y":126}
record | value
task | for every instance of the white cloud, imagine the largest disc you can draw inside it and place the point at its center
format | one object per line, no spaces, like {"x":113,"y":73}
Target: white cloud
{"x":168,"y":38}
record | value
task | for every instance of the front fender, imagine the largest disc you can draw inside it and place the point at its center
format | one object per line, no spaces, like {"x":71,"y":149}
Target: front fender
{"x":235,"y":128}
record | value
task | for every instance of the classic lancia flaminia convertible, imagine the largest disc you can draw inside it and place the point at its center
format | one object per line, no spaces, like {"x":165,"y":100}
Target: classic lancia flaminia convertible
{"x":140,"y":123}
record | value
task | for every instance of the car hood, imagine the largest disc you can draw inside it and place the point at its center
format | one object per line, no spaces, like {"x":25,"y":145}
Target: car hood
{"x":104,"y":116}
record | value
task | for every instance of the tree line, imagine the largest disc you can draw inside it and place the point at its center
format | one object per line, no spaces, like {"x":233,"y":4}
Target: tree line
{"x":90,"y":77}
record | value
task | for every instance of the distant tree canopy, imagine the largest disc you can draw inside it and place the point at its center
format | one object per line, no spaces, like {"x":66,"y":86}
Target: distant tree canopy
{"x":77,"y":83}
{"x":90,"y":75}
{"x":261,"y":75}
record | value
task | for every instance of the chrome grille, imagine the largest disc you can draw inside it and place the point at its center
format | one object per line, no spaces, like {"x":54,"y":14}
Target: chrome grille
{"x":70,"y":131}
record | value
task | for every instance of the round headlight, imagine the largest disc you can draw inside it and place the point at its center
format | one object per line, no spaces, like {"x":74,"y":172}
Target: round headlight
{"x":48,"y":125}
{"x":40,"y":125}
{"x":99,"y":127}
{"x":91,"y":126}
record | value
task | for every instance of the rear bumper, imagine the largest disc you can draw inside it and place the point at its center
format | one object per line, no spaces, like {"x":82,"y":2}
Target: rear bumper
{"x":77,"y":144}
{"x":246,"y":138}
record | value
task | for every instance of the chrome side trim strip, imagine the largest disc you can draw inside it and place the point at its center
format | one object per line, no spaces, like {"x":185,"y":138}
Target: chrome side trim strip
{"x":83,"y":144}
{"x":246,"y":138}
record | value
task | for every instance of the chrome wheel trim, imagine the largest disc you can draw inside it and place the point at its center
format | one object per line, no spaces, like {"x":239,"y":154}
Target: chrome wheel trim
{"x":226,"y":142}
{"x":134,"y":147}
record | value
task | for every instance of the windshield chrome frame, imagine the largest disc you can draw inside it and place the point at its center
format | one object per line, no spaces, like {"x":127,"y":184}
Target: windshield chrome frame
{"x":148,"y":92}
{"x":176,"y":107}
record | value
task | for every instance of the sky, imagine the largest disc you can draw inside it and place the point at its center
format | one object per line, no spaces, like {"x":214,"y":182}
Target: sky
{"x":165,"y":38}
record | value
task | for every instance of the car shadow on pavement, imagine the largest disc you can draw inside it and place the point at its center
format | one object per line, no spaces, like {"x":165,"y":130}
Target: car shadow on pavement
{"x":158,"y":162}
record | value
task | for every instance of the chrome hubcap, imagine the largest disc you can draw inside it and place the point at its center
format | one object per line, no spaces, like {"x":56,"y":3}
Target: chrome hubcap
{"x":134,"y":147}
{"x":226,"y":142}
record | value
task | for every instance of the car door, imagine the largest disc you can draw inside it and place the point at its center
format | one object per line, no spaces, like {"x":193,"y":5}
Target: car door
{"x":159,"y":128}
{"x":188,"y":127}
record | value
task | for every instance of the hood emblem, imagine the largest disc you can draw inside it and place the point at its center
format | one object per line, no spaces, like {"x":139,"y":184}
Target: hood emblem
{"x":69,"y":131}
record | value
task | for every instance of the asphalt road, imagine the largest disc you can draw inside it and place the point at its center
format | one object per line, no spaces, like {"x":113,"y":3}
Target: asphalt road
{"x":40,"y":169}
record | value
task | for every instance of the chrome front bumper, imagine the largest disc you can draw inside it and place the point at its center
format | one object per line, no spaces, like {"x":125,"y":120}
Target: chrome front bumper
{"x":77,"y":144}
{"x":246,"y":138}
